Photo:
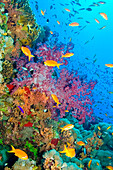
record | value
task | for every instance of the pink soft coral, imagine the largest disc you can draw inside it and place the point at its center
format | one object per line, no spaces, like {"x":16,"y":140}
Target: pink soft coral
{"x":73,"y":94}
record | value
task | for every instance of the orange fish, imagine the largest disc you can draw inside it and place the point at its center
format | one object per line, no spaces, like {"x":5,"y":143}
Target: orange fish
{"x":55,"y":98}
{"x":68,"y":55}
{"x":43,"y":12}
{"x":51,"y":32}
{"x":89,"y":164}
{"x":97,"y":163}
{"x":27,"y":52}
{"x":58,"y":22}
{"x":109,"y":157}
{"x":109,"y":167}
{"x":74,"y":24}
{"x":68,"y":10}
{"x":109,"y":65}
{"x":70,"y":152}
{"x":67,"y":127}
{"x":52,"y":63}
{"x":97,"y":20}
{"x":19,"y":153}
{"x":103,"y":15}
{"x":66,"y":110}
{"x":80,"y":143}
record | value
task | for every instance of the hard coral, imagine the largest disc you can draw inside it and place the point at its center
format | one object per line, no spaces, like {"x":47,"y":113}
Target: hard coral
{"x":7,"y":71}
{"x":24,"y":165}
{"x":52,"y":160}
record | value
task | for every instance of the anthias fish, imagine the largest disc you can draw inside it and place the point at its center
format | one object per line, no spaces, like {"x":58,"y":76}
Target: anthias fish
{"x":103,"y":15}
{"x":73,"y":24}
{"x":68,"y":55}
{"x":27,"y":52}
{"x":19,"y":153}
{"x":80,"y":143}
{"x":68,"y":10}
{"x":97,"y":20}
{"x":70,"y":152}
{"x":89,"y":163}
{"x":67,"y":127}
{"x":109,"y":167}
{"x":52,"y":63}
{"x":55,"y":98}
{"x":109,"y":65}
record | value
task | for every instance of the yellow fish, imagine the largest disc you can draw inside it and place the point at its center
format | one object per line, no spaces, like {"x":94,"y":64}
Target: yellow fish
{"x":68,"y":55}
{"x":99,"y":128}
{"x":67,"y":127}
{"x":4,"y":33}
{"x":108,"y":127}
{"x":55,"y":98}
{"x":70,"y":152}
{"x":66,"y":110}
{"x":19,"y":153}
{"x":52,"y":63}
{"x":27,"y":52}
{"x":109,"y":167}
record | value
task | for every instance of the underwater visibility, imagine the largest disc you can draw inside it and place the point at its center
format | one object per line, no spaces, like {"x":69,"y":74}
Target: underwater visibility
{"x":56,"y":85}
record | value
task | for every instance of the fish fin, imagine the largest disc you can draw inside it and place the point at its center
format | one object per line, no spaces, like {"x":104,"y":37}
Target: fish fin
{"x":13,"y":150}
{"x":68,"y":144}
{"x":59,"y":65}
{"x":65,"y":149}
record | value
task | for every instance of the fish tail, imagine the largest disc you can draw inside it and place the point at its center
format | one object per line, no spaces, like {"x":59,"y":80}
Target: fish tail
{"x":13,"y":150}
{"x":62,"y":129}
{"x":64,"y":151}
{"x":58,"y":103}
{"x":31,"y":56}
{"x":59,"y":65}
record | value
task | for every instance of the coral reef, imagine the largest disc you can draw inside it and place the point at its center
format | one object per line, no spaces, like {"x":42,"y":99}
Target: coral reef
{"x":29,"y":117}
{"x":25,"y":165}
{"x":54,"y":161}
{"x":72,"y":92}
{"x":7,"y":71}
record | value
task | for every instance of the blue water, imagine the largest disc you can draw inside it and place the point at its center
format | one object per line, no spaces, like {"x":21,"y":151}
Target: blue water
{"x":89,"y":59}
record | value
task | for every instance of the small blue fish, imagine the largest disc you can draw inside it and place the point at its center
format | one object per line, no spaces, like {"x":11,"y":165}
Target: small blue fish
{"x":21,"y":109}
